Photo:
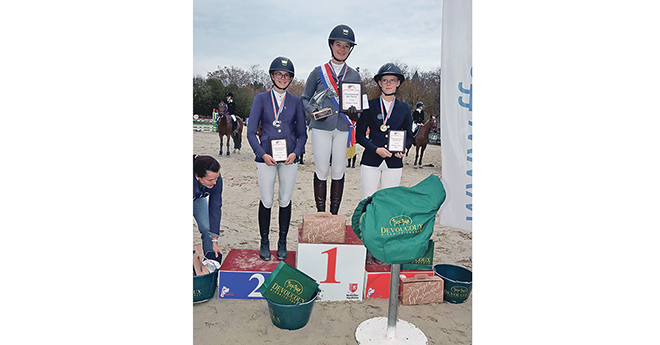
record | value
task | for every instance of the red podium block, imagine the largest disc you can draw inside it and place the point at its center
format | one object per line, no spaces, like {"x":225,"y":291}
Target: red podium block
{"x":242,"y":272}
{"x":337,"y":267}
{"x":377,"y":280}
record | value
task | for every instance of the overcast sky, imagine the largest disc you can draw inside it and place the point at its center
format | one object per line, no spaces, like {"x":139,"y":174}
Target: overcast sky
{"x":244,"y":33}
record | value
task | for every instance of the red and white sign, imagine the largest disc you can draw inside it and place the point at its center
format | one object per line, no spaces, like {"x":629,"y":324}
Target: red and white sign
{"x":335,"y":268}
{"x":377,"y":280}
{"x":338,"y":268}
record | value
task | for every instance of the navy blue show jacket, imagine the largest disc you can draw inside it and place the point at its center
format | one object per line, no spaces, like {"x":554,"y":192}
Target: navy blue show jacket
{"x":293,"y":127}
{"x":400,"y":119}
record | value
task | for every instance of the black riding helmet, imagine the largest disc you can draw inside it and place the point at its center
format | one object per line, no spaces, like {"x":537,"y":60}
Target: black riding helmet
{"x":391,"y":69}
{"x":281,"y":63}
{"x":419,"y":104}
{"x":342,"y":33}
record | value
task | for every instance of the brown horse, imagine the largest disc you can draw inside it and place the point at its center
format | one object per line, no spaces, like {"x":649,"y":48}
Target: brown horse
{"x":224,"y":130}
{"x":421,"y":139}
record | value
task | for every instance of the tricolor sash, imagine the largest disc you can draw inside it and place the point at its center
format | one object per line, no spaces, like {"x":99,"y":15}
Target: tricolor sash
{"x":330,"y":80}
{"x":351,"y":134}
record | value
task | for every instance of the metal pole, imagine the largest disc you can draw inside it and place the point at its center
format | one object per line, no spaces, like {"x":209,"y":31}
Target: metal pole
{"x":394,"y":300}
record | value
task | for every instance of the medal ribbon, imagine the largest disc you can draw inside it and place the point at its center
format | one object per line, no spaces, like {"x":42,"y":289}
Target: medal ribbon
{"x":331,"y":71}
{"x":276,"y":110}
{"x":327,"y":81}
{"x":386,"y":115}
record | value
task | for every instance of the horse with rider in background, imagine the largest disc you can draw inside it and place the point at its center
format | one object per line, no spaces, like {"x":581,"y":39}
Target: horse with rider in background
{"x":421,"y":139}
{"x":225,"y":128}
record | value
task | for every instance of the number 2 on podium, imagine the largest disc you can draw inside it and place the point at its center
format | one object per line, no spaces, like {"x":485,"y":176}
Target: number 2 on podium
{"x":332,"y":266}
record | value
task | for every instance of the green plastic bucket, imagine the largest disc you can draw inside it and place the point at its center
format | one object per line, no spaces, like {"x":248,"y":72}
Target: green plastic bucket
{"x":204,"y":286}
{"x":291,"y":317}
{"x":288,"y":285}
{"x":458,"y":282}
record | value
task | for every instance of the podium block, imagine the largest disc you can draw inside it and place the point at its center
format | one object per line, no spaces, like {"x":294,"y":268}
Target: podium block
{"x":338,"y":268}
{"x":242,"y":272}
{"x":349,"y":238}
{"x":377,"y":280}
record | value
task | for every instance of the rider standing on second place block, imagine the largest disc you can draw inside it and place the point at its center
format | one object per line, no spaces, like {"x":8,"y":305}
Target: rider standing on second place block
{"x":282,"y":119}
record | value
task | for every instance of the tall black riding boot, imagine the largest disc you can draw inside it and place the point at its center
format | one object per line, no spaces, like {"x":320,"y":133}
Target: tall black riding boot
{"x":264,"y":228}
{"x":285,"y":220}
{"x":320,"y":191}
{"x":336,"y":192}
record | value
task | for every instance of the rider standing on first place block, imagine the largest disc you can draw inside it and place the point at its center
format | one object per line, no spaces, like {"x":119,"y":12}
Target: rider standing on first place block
{"x":330,"y":134}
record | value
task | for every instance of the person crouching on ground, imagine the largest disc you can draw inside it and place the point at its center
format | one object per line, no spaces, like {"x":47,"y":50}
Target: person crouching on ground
{"x":207,"y":182}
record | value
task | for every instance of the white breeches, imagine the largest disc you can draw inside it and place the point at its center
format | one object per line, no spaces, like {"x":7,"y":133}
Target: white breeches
{"x":287,"y":179}
{"x":370,"y":177}
{"x":325,"y":143}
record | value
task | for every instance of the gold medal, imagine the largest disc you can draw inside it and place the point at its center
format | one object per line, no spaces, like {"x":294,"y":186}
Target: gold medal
{"x":384,"y":127}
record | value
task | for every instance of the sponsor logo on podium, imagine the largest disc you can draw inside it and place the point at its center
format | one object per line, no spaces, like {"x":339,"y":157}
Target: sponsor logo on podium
{"x":352,"y":289}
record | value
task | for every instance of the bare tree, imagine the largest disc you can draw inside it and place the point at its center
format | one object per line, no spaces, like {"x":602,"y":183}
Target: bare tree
{"x":207,"y":93}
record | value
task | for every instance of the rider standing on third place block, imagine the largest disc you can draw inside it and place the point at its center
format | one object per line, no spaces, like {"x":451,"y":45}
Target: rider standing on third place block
{"x":379,"y":166}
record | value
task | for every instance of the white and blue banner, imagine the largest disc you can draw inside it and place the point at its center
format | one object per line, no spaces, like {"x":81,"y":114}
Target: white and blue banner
{"x":456,"y":113}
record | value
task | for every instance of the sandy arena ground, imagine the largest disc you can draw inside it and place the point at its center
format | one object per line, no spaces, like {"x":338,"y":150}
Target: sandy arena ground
{"x":331,"y":323}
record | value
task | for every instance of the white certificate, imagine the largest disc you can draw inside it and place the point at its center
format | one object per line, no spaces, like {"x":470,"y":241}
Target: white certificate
{"x":397,"y":141}
{"x":278,"y":149}
{"x":351,"y":95}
